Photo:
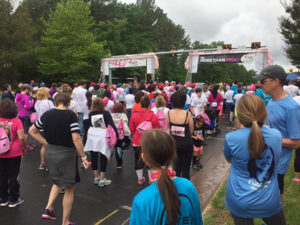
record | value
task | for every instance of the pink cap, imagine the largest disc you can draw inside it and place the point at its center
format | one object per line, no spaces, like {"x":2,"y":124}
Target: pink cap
{"x":102,"y":85}
{"x":188,"y":83}
{"x":155,"y":82}
{"x":252,"y":87}
{"x":171,"y":88}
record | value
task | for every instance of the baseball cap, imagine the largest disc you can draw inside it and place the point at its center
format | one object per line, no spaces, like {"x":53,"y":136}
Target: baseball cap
{"x":161,"y":86}
{"x":273,"y":71}
{"x":187,"y":83}
{"x":166,"y":82}
{"x":42,"y":84}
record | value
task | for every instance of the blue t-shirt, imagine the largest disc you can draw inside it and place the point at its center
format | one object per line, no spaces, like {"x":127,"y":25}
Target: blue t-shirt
{"x":252,"y":185}
{"x":260,"y":93}
{"x":284,"y":115}
{"x":148,"y":206}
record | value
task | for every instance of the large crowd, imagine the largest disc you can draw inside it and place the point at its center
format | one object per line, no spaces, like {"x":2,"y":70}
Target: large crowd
{"x":98,"y":120}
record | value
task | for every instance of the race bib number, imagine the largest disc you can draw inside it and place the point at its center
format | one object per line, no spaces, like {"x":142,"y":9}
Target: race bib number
{"x":198,"y":133}
{"x":178,"y":131}
{"x":214,"y":104}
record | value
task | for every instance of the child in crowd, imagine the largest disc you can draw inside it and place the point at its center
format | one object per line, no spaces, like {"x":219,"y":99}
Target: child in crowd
{"x":198,"y":139}
{"x":169,"y":199}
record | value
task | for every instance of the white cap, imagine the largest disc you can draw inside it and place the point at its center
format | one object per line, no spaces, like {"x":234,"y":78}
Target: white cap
{"x":166,"y":82}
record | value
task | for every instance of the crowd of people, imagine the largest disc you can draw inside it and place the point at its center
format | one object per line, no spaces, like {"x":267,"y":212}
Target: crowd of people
{"x":104,"y":119}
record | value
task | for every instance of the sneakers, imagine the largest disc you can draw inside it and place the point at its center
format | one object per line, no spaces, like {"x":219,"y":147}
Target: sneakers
{"x":29,"y":147}
{"x":4,"y":203}
{"x":104,"y":182}
{"x":72,"y":223}
{"x":195,"y":167}
{"x":19,"y":201}
{"x":43,"y":167}
{"x":96,"y":181}
{"x":297,"y":181}
{"x":142,"y":181}
{"x":48,"y":215}
{"x":119,"y":167}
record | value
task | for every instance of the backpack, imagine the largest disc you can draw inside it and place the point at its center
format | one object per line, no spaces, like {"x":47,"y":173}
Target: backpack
{"x":162,"y":119}
{"x":4,"y":141}
{"x":34,"y":117}
{"x":121,"y":129}
{"x":144,"y":126}
{"x":111,"y":137}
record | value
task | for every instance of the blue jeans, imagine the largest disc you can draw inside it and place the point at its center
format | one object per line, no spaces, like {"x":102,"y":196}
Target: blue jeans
{"x":80,"y":123}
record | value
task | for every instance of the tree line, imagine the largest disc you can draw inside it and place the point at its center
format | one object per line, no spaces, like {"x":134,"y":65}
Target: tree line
{"x":64,"y":40}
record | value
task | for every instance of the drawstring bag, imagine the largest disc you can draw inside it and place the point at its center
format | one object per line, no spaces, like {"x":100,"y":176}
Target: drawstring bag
{"x":162,"y":119}
{"x":4,"y":141}
{"x":111,"y":137}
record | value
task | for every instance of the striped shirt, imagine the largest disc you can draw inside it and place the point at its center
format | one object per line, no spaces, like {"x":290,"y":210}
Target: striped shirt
{"x":58,"y":126}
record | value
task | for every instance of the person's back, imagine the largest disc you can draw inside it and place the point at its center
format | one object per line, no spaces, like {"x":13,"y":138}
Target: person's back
{"x":292,"y":90}
{"x":148,"y":206}
{"x":246,"y":195}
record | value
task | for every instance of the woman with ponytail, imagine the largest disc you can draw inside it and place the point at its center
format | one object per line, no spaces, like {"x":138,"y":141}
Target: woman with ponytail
{"x":169,"y":199}
{"x":254,"y":152}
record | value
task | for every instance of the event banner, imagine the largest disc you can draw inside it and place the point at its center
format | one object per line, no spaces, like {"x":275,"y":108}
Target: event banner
{"x":122,"y":63}
{"x":222,"y":58}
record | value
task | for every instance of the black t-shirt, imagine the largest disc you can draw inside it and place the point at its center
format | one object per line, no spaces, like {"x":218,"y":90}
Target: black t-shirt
{"x":198,"y":132}
{"x":58,"y":126}
{"x":107,"y":120}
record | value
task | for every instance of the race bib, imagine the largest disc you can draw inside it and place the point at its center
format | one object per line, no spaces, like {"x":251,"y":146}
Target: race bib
{"x":200,"y":108}
{"x":198,"y":133}
{"x":214,"y":104}
{"x":178,"y":131}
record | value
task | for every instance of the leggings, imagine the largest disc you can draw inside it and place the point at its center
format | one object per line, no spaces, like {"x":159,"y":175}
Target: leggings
{"x":103,"y":161}
{"x":139,"y":163}
{"x":183,"y":162}
{"x":277,"y":219}
{"x":297,"y":161}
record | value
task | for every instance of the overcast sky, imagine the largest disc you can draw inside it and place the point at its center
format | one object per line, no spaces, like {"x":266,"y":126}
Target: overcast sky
{"x":236,"y":22}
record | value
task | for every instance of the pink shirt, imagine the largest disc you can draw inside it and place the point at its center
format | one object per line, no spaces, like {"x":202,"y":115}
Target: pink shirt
{"x":14,"y":125}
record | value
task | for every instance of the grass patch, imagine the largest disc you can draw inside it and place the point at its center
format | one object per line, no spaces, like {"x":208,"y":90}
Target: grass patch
{"x":219,"y":214}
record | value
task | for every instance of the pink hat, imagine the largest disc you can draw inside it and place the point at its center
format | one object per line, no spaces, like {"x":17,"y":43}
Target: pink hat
{"x":171,"y":88}
{"x":155,"y":82}
{"x":187,"y":83}
{"x":251,"y":87}
{"x":102,"y":85}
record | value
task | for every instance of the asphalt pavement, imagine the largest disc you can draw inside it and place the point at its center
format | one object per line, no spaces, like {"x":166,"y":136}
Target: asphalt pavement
{"x":109,"y":205}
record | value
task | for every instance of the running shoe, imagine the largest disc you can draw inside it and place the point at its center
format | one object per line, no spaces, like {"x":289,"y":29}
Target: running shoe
{"x":62,"y":190}
{"x":142,"y":181}
{"x":29,"y":147}
{"x":297,"y":181}
{"x":104,"y":182}
{"x":4,"y":203}
{"x":19,"y":201}
{"x":96,"y":181}
{"x":119,"y":167}
{"x":48,"y":215}
{"x":42,"y":167}
{"x":199,"y":165}
{"x":196,"y":167}
{"x":72,"y":223}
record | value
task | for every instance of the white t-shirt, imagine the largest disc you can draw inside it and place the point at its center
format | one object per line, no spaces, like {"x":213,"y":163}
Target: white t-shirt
{"x":228,"y":96}
{"x":86,"y":110}
{"x":121,"y":94}
{"x":292,"y":90}
{"x":164,"y":109}
{"x":199,"y":104}
{"x":79,"y":97}
{"x":188,"y":100}
{"x":193,"y":95}
{"x":129,"y":99}
{"x":222,"y":93}
{"x":109,"y":106}
{"x":207,"y":94}
{"x":42,"y":106}
{"x":237,"y":97}
{"x":297,"y":99}
{"x":73,"y":105}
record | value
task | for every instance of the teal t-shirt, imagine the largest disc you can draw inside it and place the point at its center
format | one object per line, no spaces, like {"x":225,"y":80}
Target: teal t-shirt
{"x":260,"y":93}
{"x":148,"y":206}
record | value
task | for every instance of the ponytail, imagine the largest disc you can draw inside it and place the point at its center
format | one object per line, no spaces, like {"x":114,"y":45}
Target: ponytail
{"x":256,"y":143}
{"x":170,"y":197}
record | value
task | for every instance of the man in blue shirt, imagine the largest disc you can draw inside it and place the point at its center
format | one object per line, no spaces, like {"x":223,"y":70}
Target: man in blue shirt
{"x":283,"y":114}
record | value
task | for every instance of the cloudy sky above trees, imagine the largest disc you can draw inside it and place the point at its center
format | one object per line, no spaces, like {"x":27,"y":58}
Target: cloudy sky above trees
{"x":236,"y":22}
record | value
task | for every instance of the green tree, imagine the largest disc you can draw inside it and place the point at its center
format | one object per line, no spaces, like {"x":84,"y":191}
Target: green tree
{"x":290,"y":30}
{"x":68,"y":50}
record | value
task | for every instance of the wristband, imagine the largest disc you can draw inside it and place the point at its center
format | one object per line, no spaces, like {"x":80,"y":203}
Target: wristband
{"x":84,"y":158}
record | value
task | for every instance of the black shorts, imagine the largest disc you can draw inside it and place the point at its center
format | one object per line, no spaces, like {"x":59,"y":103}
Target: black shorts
{"x":280,"y":178}
{"x":232,"y":107}
{"x":26,"y":123}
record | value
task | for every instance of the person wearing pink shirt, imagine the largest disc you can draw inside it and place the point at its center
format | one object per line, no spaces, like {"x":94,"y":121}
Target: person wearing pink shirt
{"x":10,"y":161}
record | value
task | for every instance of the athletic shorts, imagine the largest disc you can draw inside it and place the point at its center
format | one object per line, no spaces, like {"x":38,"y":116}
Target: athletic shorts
{"x":26,"y":123}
